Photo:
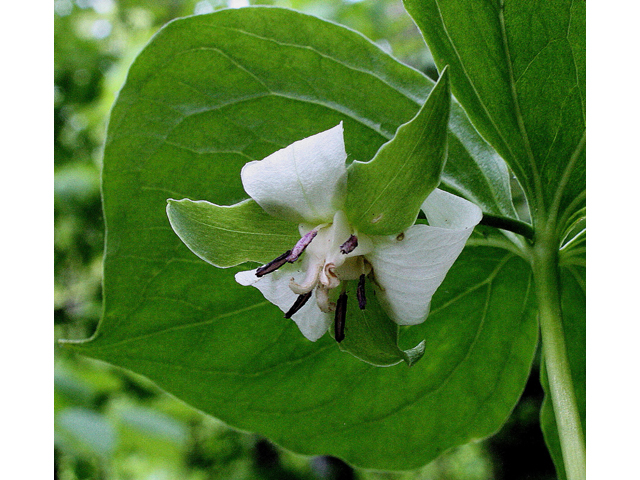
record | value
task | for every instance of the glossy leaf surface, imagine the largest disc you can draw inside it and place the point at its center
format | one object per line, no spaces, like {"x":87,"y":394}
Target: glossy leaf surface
{"x":518,"y":69}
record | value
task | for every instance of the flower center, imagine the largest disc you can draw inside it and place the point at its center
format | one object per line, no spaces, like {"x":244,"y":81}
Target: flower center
{"x":333,"y":253}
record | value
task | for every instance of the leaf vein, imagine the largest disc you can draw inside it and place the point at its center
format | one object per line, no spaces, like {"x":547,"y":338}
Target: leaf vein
{"x":429,"y":392}
{"x":180,"y":327}
{"x":471,"y":82}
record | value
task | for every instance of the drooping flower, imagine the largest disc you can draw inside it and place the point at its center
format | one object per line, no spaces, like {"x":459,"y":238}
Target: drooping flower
{"x":306,"y":183}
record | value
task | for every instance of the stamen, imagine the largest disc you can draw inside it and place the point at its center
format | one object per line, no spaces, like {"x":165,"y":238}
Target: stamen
{"x":341,"y":315}
{"x":273,"y":265}
{"x":302,"y":244}
{"x":362,"y":300}
{"x":298,"y":304}
{"x":350,"y":245}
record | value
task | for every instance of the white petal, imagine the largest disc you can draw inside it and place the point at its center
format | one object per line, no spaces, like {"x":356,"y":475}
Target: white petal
{"x":275,"y":287}
{"x":247,"y":277}
{"x":411,"y":267}
{"x":445,"y":210}
{"x":312,"y":322}
{"x":305,"y":181}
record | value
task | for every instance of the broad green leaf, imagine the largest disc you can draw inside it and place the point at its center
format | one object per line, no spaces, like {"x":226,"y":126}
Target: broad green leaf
{"x":210,"y":93}
{"x":226,"y":236}
{"x":253,"y":370}
{"x":474,"y":170}
{"x":574,"y":323}
{"x":518,"y":69}
{"x":385,"y":194}
{"x":271,"y":73}
{"x":372,"y":336}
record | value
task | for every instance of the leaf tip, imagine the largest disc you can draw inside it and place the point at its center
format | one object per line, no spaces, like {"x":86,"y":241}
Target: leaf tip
{"x":171,"y":203}
{"x":412,"y":355}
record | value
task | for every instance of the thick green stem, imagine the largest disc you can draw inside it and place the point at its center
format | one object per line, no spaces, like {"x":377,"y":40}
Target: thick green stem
{"x":545,"y":267}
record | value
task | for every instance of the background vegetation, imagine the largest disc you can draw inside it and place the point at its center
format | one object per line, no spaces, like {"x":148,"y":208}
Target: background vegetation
{"x":110,"y":424}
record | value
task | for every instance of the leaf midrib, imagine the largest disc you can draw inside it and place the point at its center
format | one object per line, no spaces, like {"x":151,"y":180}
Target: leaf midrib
{"x":178,"y":327}
{"x":471,"y":83}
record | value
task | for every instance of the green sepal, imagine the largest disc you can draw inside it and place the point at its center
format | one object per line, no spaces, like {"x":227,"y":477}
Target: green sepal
{"x":412,"y":355}
{"x":384,"y":195}
{"x":372,"y":336}
{"x":226,"y":236}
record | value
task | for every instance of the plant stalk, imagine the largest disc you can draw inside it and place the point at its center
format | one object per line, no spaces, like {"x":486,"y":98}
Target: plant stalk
{"x":505,"y":223}
{"x":546,"y":275}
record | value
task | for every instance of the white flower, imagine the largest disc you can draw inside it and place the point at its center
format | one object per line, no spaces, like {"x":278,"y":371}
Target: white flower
{"x":306,"y":182}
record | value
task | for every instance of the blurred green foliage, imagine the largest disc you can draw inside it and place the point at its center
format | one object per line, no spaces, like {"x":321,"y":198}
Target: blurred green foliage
{"x":110,"y":424}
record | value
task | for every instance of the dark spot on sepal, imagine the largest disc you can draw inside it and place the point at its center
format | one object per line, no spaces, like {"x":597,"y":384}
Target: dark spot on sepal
{"x":377,"y":218}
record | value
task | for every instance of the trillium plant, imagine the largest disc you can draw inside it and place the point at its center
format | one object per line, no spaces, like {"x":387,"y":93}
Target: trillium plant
{"x":306,"y":183}
{"x":351,"y":218}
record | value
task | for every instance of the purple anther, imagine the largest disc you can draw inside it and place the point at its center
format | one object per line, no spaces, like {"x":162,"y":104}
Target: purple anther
{"x":298,"y":304}
{"x":273,"y":265}
{"x":350,"y":245}
{"x":302,"y":244}
{"x":341,"y":315}
{"x":362,"y":300}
